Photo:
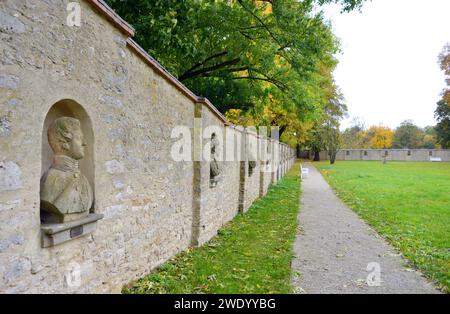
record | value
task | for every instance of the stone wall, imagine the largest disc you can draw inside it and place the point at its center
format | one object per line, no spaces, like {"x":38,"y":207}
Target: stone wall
{"x":418,"y":155}
{"x":265,"y":177}
{"x":250,"y":178}
{"x":218,"y":204}
{"x":128,"y":105}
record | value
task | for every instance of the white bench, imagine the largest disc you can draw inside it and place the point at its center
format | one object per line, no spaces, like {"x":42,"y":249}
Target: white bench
{"x":435,"y":159}
{"x":304,"y":172}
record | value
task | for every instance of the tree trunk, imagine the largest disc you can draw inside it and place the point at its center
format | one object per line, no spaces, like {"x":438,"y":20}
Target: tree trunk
{"x":333,"y":156}
{"x":316,"y":156}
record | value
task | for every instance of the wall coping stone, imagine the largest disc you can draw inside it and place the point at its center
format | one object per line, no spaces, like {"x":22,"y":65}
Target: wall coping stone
{"x":113,"y":17}
{"x":128,"y":30}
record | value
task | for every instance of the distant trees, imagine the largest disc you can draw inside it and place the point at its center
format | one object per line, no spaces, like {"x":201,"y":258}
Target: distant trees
{"x":443,"y":126}
{"x":381,"y":137}
{"x":429,"y":140}
{"x":325,"y":135}
{"x":332,"y":142}
{"x":407,"y":135}
{"x":442,"y":113}
{"x":376,"y":137}
{"x":263,"y":63}
{"x":354,"y":136}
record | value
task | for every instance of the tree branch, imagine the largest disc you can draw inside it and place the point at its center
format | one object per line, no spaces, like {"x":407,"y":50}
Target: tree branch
{"x":238,"y":69}
{"x":209,"y":69}
{"x":261,"y":22}
{"x":278,"y":84}
{"x":217,"y":55}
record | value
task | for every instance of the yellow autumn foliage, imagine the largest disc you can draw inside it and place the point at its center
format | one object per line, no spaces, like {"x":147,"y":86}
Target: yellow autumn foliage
{"x":381,"y":137}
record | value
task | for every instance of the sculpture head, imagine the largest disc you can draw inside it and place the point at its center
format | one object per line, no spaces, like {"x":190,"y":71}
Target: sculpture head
{"x":213,"y":143}
{"x":66,"y":138}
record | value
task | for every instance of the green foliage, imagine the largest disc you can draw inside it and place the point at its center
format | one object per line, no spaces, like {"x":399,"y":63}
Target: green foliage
{"x":407,"y":203}
{"x":243,"y":54}
{"x":354,"y":136}
{"x":252,"y":254}
{"x":443,"y":108}
{"x":408,"y":135}
{"x":347,"y":5}
{"x":443,"y":126}
{"x":325,"y":134}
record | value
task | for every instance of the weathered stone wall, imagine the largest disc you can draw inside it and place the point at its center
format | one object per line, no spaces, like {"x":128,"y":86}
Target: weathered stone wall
{"x":264,"y":180}
{"x":153,"y":206}
{"x":285,"y":159}
{"x":251,"y":180}
{"x":275,"y":161}
{"x":218,"y":204}
{"x":145,"y":196}
{"x":275,"y":174}
{"x":419,"y":155}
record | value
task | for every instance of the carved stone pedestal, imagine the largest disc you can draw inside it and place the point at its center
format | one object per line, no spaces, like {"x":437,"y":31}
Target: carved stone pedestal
{"x":54,"y":234}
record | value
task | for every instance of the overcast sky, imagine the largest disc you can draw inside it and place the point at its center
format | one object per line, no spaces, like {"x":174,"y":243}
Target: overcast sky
{"x":388,"y":70}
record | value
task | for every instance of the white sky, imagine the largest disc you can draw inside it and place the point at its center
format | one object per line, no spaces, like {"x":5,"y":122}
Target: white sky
{"x":388,"y":71}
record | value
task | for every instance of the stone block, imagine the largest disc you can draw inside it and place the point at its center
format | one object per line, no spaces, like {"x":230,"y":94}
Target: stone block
{"x":10,"y":176}
{"x":11,"y":24}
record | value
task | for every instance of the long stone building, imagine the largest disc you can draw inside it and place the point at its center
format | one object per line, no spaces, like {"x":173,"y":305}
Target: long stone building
{"x":122,"y":108}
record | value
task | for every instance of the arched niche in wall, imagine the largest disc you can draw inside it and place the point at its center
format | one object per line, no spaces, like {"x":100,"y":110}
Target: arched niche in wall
{"x":67,"y":190}
{"x":70,"y":108}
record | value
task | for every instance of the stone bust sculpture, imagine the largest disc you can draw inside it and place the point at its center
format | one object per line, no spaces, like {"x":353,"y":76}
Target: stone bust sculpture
{"x":214,"y":166}
{"x":251,"y":161}
{"x":66,"y":194}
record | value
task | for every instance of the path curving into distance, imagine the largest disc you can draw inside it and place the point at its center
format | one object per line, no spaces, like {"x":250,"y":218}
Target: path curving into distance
{"x":334,"y":248}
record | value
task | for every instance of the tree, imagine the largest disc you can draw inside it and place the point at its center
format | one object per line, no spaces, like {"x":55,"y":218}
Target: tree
{"x":429,"y":140}
{"x":408,"y":135}
{"x":353,"y":136}
{"x":444,"y":62}
{"x":244,"y":55}
{"x":442,"y":113}
{"x":325,"y":134}
{"x":316,"y":142}
{"x":325,"y":138}
{"x":443,"y":126}
{"x":332,"y":142}
{"x":234,"y":52}
{"x":380,"y":137}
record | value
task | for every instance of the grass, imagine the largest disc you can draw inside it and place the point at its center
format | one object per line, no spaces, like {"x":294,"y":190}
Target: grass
{"x":407,"y":203}
{"x":252,"y":254}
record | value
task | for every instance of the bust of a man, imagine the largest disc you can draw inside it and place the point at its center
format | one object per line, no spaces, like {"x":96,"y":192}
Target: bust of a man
{"x":214,"y":166}
{"x":66,"y":194}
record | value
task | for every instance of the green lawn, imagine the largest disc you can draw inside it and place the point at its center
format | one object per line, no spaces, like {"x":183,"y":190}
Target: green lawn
{"x":251,"y":254}
{"x":408,"y":203}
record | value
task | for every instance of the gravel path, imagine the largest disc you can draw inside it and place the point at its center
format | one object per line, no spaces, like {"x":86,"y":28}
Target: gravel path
{"x":334,"y":248}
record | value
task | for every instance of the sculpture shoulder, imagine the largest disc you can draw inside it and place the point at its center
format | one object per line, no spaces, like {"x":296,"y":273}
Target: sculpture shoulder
{"x":53,"y":183}
{"x":69,"y":192}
